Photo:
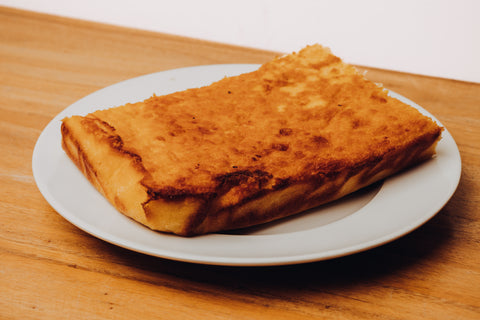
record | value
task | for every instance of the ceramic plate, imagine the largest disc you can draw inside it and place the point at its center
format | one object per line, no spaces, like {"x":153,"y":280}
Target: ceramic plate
{"x":363,"y":220}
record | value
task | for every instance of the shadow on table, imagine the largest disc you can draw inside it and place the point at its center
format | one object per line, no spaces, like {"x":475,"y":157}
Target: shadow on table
{"x":399,"y":256}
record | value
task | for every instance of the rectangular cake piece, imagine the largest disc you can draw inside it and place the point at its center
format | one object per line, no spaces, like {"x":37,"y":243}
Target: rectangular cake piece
{"x":302,"y":130}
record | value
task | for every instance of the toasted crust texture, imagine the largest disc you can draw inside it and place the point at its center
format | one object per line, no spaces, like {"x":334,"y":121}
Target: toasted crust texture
{"x":302,"y":130}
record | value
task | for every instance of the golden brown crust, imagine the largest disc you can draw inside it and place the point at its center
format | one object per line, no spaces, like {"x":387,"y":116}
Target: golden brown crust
{"x":302,"y":130}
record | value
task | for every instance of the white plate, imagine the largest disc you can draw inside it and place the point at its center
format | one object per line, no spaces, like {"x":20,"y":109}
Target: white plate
{"x":366,"y":219}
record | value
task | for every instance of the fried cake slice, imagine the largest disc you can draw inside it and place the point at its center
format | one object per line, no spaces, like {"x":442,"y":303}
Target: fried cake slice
{"x":302,"y":130}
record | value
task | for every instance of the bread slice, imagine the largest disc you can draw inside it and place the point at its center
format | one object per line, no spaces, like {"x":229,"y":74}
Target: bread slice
{"x":302,"y":130}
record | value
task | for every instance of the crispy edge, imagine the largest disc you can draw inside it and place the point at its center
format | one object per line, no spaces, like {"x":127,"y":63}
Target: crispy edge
{"x":190,"y":215}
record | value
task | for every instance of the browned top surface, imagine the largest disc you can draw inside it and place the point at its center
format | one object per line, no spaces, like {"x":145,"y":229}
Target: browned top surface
{"x":49,"y":269}
{"x":295,"y":117}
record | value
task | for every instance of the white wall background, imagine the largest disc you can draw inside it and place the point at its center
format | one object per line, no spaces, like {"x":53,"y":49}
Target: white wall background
{"x":437,"y":38}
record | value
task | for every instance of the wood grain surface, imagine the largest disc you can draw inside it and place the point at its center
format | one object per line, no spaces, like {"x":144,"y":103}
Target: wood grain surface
{"x":49,"y":269}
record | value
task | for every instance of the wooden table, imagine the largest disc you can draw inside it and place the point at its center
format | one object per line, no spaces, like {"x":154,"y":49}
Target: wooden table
{"x":49,"y":269}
